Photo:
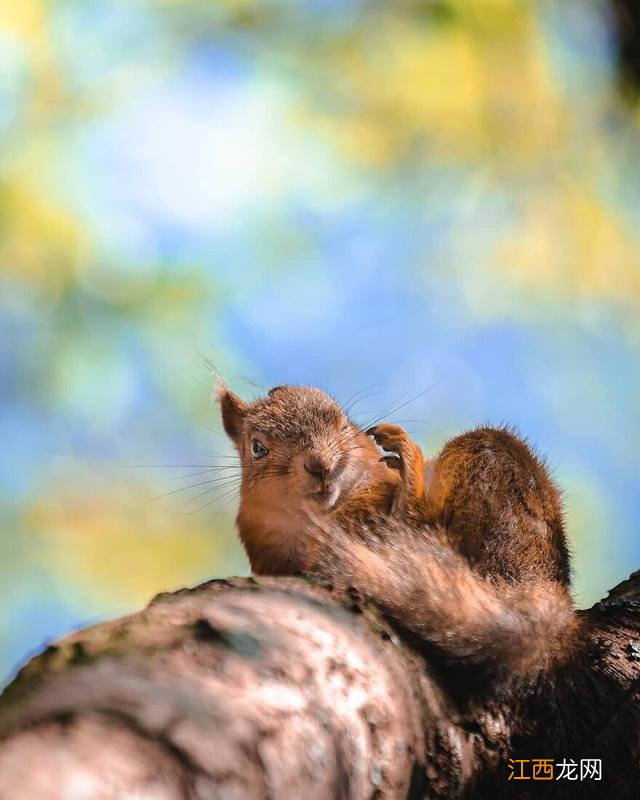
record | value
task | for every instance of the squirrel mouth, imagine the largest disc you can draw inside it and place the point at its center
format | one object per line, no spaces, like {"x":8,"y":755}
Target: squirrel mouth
{"x":326,"y":495}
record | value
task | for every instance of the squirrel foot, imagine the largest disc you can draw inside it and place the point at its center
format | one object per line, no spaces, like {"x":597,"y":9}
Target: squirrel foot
{"x":408,"y":460}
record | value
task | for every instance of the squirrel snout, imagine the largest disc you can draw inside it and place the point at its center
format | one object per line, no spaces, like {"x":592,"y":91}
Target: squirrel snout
{"x":317,"y":466}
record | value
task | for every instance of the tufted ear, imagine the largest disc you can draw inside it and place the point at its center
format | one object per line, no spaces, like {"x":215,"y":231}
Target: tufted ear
{"x":233,"y":409}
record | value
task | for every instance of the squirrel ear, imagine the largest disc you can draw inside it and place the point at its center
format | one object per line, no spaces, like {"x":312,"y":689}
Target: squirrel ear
{"x":233,"y":409}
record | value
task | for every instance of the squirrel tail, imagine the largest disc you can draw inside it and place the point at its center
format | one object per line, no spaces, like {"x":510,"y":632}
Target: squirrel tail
{"x":420,"y":581}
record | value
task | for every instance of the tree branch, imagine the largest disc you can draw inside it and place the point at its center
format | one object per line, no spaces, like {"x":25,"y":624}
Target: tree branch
{"x":274,"y":688}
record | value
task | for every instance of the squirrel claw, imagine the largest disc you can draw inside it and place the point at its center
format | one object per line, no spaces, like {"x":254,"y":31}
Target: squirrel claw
{"x":389,"y":437}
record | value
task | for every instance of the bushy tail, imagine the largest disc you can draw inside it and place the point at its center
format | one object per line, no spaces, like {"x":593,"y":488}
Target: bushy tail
{"x":419,"y":580}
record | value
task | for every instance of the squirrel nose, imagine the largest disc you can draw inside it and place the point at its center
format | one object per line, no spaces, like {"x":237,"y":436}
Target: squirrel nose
{"x":316,"y":466}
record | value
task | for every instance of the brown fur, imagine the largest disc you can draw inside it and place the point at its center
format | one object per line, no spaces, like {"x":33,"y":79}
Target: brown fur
{"x":278,"y":496}
{"x":466,"y":550}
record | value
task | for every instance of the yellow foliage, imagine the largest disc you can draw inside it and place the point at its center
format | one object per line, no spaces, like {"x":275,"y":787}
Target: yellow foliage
{"x":402,"y":87}
{"x":570,"y":243}
{"x":26,"y":18}
{"x":104,"y":538}
{"x":463,"y":89}
{"x":41,"y":243}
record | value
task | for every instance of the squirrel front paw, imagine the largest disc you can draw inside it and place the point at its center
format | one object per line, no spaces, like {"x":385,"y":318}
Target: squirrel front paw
{"x":389,"y":437}
{"x":408,"y":460}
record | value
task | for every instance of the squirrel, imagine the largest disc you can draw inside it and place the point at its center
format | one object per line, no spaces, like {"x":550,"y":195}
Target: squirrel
{"x":466,"y":550}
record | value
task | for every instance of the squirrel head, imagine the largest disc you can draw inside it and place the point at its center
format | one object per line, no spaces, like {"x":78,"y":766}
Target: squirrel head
{"x":296,"y":446}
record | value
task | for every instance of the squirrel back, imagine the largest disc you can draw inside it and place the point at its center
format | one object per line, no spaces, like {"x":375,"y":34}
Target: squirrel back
{"x":499,"y":506}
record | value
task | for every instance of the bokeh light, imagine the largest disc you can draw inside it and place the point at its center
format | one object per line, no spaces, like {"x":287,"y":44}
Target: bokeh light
{"x":389,"y":195}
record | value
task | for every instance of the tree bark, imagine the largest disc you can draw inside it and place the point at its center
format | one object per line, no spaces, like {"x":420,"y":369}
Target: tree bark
{"x":278,"y":688}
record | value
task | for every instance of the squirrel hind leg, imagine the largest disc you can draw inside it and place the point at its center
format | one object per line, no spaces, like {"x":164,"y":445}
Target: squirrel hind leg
{"x":501,"y":506}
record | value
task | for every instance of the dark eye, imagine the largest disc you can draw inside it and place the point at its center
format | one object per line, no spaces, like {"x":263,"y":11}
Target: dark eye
{"x":258,"y":450}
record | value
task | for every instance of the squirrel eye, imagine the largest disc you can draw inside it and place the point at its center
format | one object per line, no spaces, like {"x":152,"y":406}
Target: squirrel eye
{"x":258,"y":450}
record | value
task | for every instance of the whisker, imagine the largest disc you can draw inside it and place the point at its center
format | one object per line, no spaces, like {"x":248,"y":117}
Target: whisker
{"x":166,"y":466}
{"x":188,"y":502}
{"x":390,"y":410}
{"x":366,"y":394}
{"x":355,"y":394}
{"x":424,"y":422}
{"x":356,"y":447}
{"x":193,"y":499}
{"x":210,"y":502}
{"x":224,"y":505}
{"x":220,"y":455}
{"x":192,"y":486}
{"x":386,"y":410}
{"x":201,"y":472}
{"x":215,"y":432}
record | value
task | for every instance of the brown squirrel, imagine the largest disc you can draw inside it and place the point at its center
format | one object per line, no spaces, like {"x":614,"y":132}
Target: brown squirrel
{"x":466,"y":550}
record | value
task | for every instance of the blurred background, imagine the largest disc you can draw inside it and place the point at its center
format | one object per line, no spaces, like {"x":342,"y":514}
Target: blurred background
{"x":434,"y":203}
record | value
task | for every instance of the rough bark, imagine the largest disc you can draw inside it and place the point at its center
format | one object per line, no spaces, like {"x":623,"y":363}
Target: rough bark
{"x":274,"y":688}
